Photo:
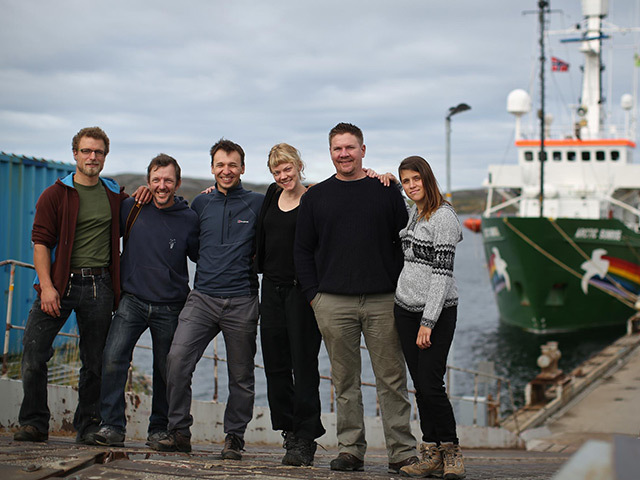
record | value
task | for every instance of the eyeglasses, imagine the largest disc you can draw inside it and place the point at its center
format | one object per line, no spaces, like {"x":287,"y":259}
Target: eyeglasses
{"x":88,"y":151}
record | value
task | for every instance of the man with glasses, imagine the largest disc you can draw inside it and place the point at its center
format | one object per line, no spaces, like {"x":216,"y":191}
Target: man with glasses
{"x":76,"y":237}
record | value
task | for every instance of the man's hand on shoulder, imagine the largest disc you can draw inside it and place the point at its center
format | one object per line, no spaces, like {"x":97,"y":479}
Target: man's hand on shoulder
{"x":385,"y":178}
{"x":142,"y":195}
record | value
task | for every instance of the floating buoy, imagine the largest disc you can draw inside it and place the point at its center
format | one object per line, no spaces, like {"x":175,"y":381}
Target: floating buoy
{"x":473,"y":224}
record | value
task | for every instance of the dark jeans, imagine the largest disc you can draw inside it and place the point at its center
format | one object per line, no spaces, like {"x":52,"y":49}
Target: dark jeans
{"x":427,"y":368}
{"x":129,"y":323}
{"x":290,"y":345}
{"x":91,"y":298}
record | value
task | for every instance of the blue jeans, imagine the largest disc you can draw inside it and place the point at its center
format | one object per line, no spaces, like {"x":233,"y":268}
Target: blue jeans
{"x":129,"y":323}
{"x":91,"y":297}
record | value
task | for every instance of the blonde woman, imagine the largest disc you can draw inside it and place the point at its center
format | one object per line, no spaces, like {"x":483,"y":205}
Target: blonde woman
{"x":288,"y":329}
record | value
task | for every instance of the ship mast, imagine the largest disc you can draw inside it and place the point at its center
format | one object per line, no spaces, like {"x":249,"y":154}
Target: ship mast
{"x":543,"y":8}
{"x":590,"y":109}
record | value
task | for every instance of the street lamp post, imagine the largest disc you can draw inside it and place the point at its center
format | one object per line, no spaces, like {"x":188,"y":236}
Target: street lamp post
{"x":462,"y":107}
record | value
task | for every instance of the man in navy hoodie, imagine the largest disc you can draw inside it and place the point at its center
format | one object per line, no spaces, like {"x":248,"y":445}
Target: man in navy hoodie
{"x":155,"y":285}
{"x":224,"y":299}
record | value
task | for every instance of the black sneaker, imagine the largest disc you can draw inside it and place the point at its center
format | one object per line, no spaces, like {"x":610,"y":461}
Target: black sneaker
{"x":345,"y":462}
{"x":109,"y":437}
{"x":233,"y":447}
{"x":300,"y":453}
{"x":29,"y":433}
{"x":173,"y":442}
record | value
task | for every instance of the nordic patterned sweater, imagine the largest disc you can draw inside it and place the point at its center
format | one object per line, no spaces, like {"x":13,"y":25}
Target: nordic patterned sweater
{"x":426,"y":283}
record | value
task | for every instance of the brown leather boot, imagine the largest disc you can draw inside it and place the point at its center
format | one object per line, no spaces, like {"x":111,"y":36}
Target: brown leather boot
{"x":452,"y":459}
{"x":430,"y":463}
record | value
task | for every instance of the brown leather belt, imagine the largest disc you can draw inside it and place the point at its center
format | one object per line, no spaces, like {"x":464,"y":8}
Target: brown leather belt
{"x":90,"y":272}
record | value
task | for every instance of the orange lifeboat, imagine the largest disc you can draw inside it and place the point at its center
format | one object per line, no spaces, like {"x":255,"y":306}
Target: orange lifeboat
{"x":473,"y":224}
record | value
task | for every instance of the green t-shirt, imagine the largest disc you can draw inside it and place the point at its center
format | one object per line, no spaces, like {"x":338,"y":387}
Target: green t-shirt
{"x":92,"y":244}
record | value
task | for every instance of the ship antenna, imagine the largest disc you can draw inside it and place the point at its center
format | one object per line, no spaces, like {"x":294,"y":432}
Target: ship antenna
{"x":543,"y":8}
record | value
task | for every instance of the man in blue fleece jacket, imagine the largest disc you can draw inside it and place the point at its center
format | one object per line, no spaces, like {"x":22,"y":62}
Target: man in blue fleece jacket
{"x":224,"y":299}
{"x":155,"y":285}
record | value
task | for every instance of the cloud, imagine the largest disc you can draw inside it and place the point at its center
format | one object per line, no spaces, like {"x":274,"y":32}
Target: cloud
{"x":176,"y":76}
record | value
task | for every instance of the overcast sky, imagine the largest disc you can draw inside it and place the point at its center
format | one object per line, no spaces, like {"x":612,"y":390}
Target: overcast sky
{"x":174,"y":77}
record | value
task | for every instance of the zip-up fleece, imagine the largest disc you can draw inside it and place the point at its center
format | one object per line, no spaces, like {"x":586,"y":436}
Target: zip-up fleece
{"x":227,"y":242}
{"x":54,"y":226}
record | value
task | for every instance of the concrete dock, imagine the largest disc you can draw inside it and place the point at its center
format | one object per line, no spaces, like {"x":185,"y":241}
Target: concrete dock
{"x":610,"y":406}
{"x":61,"y":458}
{"x":606,"y":411}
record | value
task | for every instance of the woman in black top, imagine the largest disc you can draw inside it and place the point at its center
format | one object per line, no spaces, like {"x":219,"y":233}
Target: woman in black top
{"x":288,"y":330}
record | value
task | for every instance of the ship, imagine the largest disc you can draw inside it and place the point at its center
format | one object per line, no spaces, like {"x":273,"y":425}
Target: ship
{"x":561,"y":227}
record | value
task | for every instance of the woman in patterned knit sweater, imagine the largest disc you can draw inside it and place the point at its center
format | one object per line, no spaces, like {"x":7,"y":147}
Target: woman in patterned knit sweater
{"x":425,"y":312}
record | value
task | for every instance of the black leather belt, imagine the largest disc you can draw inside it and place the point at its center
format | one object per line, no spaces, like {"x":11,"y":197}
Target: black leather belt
{"x":90,"y":271}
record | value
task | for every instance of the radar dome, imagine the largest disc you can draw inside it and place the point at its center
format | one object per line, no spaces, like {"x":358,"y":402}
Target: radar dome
{"x":626,"y":102}
{"x":518,"y":102}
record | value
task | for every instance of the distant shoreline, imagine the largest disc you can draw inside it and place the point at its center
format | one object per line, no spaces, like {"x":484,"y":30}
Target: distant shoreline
{"x":466,"y":202}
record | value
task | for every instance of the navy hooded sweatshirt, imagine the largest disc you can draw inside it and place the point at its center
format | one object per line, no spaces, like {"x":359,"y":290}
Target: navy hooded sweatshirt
{"x":153,"y":264}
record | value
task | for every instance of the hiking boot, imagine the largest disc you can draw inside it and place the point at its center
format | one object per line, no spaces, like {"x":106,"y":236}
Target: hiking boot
{"x":452,"y":460}
{"x":430,"y":463}
{"x":233,"y":447}
{"x":109,"y":437}
{"x":300,"y":452}
{"x":172,"y":442}
{"x":154,"y":438}
{"x":88,"y":435}
{"x":29,"y":433}
{"x":345,"y":462}
{"x":396,"y":466}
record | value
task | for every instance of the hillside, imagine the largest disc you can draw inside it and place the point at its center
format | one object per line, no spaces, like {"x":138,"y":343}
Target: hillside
{"x":464,"y":201}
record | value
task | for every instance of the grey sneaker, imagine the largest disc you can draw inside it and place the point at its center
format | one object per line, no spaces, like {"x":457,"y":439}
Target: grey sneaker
{"x":109,"y":437}
{"x":233,"y":447}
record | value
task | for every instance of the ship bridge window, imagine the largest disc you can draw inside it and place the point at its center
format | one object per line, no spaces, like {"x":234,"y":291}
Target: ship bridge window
{"x":586,"y":156}
{"x":544,"y":156}
{"x":600,"y":156}
{"x":528,"y":156}
{"x":615,"y":155}
{"x":557,"y":156}
{"x":571,"y":156}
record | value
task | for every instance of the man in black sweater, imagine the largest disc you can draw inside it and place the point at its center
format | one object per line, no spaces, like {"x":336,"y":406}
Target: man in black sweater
{"x":348,"y":258}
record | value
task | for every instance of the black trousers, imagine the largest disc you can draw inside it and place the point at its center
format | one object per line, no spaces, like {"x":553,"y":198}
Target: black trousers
{"x":290,"y":346}
{"x":427,"y":368}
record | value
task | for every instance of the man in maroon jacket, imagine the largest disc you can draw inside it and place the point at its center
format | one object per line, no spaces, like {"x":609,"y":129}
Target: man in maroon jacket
{"x":76,"y":237}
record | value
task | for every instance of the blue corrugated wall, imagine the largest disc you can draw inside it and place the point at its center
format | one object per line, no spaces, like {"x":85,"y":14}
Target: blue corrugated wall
{"x":22,"y":180}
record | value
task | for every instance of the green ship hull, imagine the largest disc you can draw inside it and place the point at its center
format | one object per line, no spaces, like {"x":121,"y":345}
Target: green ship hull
{"x":564,"y":274}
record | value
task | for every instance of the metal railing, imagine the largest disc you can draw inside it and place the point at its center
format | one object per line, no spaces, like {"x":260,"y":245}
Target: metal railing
{"x":493,"y":404}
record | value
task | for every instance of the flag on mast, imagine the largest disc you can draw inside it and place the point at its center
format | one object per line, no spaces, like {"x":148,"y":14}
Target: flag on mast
{"x":558,"y":65}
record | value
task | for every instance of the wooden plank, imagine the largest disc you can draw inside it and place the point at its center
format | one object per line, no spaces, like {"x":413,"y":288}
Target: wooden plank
{"x":28,"y":472}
